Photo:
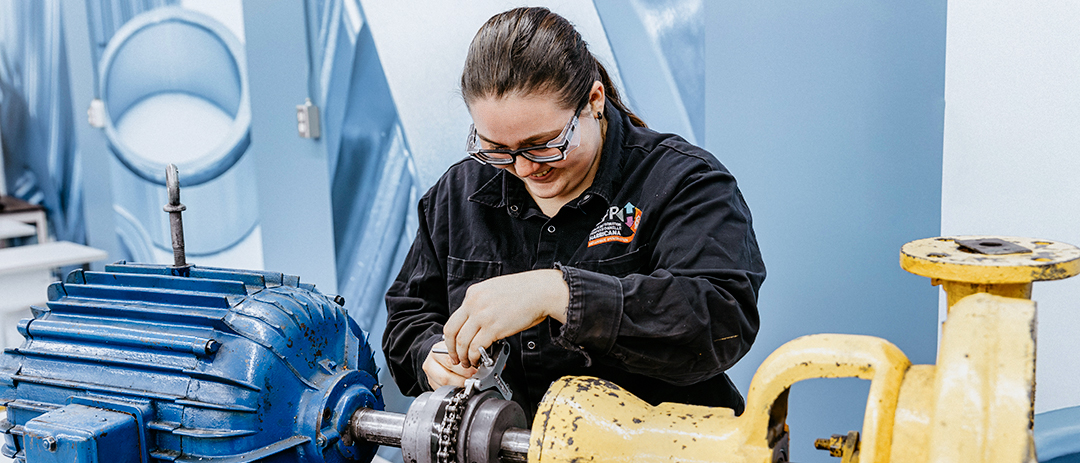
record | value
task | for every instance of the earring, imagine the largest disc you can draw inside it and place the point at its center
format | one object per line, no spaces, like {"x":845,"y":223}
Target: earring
{"x":599,"y":115}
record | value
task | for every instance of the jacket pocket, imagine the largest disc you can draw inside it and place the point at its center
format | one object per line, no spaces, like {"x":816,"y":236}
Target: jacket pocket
{"x":472,"y":270}
{"x":618,"y":266}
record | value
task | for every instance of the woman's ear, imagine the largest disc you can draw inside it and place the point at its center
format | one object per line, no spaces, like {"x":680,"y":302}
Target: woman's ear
{"x":596,"y":99}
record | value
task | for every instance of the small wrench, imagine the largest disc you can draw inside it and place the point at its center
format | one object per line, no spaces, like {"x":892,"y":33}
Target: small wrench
{"x":488,"y":373}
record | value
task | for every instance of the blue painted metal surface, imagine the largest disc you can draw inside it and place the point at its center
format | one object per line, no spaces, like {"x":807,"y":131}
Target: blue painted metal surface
{"x":1057,"y":435}
{"x":148,"y":363}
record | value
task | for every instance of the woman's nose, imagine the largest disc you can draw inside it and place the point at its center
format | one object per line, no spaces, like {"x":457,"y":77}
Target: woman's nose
{"x":524,"y":167}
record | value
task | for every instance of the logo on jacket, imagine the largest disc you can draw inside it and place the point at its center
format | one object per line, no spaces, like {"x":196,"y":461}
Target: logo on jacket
{"x":619,"y":224}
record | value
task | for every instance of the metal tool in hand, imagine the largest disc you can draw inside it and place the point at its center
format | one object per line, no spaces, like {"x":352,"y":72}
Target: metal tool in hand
{"x":488,"y":374}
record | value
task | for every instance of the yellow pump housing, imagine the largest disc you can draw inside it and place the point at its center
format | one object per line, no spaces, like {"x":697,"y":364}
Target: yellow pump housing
{"x":974,"y":405}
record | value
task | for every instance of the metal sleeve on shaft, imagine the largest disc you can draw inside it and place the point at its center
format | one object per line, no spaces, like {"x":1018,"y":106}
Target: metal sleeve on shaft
{"x":383,"y":428}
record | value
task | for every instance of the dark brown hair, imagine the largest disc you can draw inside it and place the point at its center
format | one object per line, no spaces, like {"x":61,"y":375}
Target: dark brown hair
{"x":529,"y":50}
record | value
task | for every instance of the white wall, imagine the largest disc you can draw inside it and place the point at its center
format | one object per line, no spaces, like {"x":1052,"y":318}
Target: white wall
{"x":1012,"y":152}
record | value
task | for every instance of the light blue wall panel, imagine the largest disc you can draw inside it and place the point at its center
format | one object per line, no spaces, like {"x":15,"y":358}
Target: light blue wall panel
{"x":293,"y":175}
{"x":658,"y":46}
{"x":830,"y":114}
{"x":94,"y":157}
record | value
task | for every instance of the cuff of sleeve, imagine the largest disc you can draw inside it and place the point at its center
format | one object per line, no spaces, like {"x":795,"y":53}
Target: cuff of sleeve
{"x":597,"y":328}
{"x":421,"y":356}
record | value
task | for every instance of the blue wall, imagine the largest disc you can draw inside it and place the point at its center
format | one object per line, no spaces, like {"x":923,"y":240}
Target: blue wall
{"x":830,"y":114}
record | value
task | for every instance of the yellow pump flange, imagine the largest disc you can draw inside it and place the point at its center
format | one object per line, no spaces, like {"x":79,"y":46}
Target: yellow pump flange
{"x":1001,"y":265}
{"x":974,"y":405}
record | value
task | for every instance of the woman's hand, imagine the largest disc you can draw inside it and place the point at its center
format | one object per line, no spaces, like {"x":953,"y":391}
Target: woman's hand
{"x":502,"y":306}
{"x":441,"y":372}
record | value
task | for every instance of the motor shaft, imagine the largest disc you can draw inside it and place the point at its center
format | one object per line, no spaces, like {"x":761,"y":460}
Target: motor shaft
{"x":515,"y":446}
{"x":383,"y":428}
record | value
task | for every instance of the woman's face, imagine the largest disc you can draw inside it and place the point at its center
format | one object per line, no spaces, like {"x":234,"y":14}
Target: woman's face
{"x":517,"y":121}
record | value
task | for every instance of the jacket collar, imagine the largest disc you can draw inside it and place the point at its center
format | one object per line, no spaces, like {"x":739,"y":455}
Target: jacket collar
{"x":493,"y":192}
{"x":502,"y":188}
{"x":612,"y":158}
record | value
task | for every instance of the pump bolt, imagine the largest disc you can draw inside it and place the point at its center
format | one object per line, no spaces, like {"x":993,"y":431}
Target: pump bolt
{"x":839,"y":445}
{"x":50,"y":443}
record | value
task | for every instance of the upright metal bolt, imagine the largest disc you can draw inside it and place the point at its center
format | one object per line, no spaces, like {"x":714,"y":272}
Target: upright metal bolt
{"x":49,"y":443}
{"x":174,"y":208}
{"x":839,"y":445}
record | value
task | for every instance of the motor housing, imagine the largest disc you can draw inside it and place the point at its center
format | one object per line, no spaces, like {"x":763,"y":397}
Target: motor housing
{"x":152,"y":363}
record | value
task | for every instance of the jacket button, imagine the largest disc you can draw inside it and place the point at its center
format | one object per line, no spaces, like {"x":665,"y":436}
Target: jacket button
{"x":531,"y":345}
{"x":551,"y":229}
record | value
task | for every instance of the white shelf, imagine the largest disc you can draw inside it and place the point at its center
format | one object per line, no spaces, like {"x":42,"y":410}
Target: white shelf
{"x":46,"y":256}
{"x":15,"y":229}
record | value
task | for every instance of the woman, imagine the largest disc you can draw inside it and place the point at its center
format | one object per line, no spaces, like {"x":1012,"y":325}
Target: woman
{"x":592,"y":244}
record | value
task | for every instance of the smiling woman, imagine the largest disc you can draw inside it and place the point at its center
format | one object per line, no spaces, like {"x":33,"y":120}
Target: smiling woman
{"x":590,"y":243}
{"x":555,"y":174}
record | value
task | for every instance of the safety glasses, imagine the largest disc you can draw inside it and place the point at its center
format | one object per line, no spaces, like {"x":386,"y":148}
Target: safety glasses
{"x":554,"y":150}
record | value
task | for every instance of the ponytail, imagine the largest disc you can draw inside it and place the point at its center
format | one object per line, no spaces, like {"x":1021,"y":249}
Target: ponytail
{"x":613,"y":95}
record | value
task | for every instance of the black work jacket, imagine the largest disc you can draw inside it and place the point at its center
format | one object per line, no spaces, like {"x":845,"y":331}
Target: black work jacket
{"x":659,"y":255}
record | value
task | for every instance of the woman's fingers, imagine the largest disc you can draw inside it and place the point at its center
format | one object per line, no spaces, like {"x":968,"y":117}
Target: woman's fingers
{"x":496,"y":308}
{"x":481,"y":340}
{"x":441,"y":372}
{"x":450,"y":334}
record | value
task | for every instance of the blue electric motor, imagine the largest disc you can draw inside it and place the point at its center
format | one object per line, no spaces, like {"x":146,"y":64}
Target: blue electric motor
{"x":153,"y":363}
{"x":150,"y":363}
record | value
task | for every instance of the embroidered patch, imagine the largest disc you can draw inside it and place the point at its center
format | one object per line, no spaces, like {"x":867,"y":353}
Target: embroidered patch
{"x":619,"y":224}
